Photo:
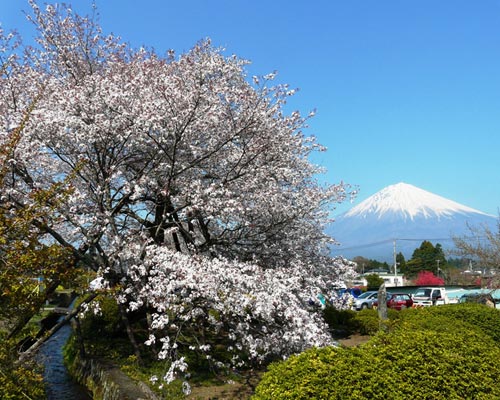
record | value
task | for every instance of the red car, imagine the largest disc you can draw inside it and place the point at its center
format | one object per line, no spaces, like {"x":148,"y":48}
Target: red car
{"x":397,"y":301}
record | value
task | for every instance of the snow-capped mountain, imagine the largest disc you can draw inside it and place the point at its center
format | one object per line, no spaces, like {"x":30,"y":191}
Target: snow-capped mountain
{"x":408,"y":202}
{"x":407,"y":215}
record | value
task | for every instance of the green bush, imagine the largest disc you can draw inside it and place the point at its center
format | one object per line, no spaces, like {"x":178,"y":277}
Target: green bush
{"x":18,"y":381}
{"x":347,"y":322}
{"x":21,"y":383}
{"x":428,"y":364}
{"x":316,"y":374}
{"x":105,"y":323}
{"x":477,"y":315}
{"x":428,"y":355}
{"x":367,"y":321}
{"x":340,"y":321}
{"x":374,"y":281}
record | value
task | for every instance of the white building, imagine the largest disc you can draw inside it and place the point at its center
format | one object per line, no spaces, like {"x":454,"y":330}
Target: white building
{"x":390,"y":279}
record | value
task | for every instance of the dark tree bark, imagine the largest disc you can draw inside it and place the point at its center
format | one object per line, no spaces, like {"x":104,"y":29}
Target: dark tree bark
{"x":130,"y":334}
{"x":31,"y":351}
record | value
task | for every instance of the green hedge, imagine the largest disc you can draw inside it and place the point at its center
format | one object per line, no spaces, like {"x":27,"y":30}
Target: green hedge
{"x":475,"y":315}
{"x":340,"y":321}
{"x":348,"y":322}
{"x":368,"y":322}
{"x":436,"y":353}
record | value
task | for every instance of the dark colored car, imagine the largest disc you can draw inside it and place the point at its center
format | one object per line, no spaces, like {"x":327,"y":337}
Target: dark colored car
{"x":397,"y":301}
{"x":481,"y":298}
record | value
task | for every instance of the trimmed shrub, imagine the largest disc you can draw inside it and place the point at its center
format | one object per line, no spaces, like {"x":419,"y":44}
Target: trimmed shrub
{"x":340,"y":322}
{"x":325,"y":373}
{"x":367,"y":321}
{"x":460,"y":364}
{"x":427,"y":356}
{"x":475,"y":315}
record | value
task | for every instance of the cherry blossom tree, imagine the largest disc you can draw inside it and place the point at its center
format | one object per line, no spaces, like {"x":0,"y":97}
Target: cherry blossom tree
{"x":193,"y":196}
{"x":481,"y":244}
{"x":427,"y":278}
{"x":30,"y":267}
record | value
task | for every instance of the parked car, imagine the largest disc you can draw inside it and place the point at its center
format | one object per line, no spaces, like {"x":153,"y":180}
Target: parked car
{"x":365,"y":300}
{"x":481,"y":298}
{"x":430,"y":296}
{"x":397,"y":301}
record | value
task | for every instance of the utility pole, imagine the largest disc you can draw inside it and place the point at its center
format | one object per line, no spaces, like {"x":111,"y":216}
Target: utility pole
{"x":395,"y":263}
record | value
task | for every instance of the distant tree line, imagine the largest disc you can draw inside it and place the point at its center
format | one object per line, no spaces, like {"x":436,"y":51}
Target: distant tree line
{"x":481,"y":251}
{"x":427,"y":257}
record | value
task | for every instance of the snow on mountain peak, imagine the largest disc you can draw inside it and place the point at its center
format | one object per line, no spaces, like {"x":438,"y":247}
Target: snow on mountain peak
{"x":410,"y":202}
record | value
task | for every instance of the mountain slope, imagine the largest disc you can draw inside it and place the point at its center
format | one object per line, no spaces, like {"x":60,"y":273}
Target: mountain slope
{"x":409,"y":202}
{"x":405,"y":214}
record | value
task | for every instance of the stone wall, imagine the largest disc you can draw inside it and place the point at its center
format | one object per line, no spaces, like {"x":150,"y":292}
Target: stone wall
{"x":107,"y":382}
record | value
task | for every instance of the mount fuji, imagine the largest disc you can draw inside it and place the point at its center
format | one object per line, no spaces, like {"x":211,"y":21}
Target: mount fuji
{"x":405,"y":215}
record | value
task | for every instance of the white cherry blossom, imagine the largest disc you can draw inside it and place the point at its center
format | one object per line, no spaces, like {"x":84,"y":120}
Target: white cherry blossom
{"x":191,"y":188}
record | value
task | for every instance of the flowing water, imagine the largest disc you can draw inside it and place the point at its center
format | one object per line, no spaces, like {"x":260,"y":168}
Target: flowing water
{"x":60,"y":385}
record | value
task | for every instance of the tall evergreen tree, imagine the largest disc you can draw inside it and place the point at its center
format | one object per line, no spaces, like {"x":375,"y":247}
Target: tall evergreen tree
{"x":427,"y":257}
{"x":401,"y":262}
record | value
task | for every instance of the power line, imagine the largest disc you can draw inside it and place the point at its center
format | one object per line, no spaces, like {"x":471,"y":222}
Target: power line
{"x":364,"y":245}
{"x":372,"y":244}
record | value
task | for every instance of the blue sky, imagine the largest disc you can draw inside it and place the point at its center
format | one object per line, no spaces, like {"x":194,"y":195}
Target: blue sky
{"x":405,"y":91}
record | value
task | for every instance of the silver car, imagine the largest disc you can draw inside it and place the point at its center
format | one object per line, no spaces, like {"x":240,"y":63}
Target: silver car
{"x":365,"y":300}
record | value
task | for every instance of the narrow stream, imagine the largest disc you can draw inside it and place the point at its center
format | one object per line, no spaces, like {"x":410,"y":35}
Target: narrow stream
{"x":60,"y":386}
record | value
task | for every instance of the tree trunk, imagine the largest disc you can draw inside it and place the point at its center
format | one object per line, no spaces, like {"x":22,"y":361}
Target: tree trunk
{"x":130,"y":334}
{"x":79,"y":337}
{"x":34,"y":348}
{"x":21,"y":323}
